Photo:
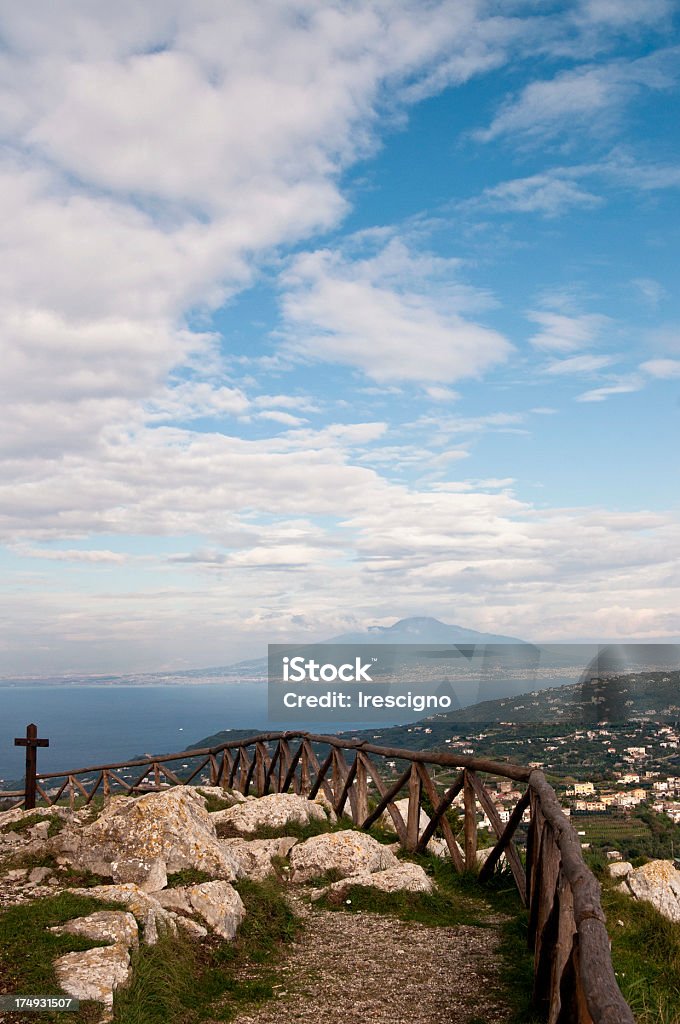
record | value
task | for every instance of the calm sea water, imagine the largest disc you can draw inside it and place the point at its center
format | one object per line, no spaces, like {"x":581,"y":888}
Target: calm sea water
{"x":95,"y":724}
{"x":98,"y":724}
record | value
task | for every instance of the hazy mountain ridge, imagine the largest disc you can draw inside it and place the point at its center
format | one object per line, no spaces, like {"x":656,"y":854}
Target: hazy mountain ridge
{"x":417,"y":629}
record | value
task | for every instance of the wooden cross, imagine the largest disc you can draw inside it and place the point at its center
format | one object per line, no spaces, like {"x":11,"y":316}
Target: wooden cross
{"x":31,"y":742}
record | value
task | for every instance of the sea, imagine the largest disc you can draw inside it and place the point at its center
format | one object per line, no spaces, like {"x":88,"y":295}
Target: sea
{"x":99,"y":724}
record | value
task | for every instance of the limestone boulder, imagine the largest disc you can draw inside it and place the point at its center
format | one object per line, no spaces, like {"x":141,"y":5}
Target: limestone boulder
{"x":113,"y":926}
{"x":229,"y":796}
{"x":217,"y":903}
{"x":346,"y":853}
{"x":256,"y":855}
{"x":620,"y":869}
{"x":19,"y":814}
{"x":153,"y":918}
{"x":276,"y":811}
{"x":39,"y":875}
{"x":658,"y":883}
{"x":405,"y":877}
{"x":94,"y":973}
{"x":150,"y":875}
{"x":138,"y":833}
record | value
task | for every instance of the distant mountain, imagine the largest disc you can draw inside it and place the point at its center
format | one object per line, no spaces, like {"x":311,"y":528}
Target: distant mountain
{"x":618,"y":698}
{"x":421,"y":630}
{"x":415,"y":630}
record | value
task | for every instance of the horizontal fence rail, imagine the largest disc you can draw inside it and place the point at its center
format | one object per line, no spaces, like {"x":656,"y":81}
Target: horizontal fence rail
{"x":574,"y":979}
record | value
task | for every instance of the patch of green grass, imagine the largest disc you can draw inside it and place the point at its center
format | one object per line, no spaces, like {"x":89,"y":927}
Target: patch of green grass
{"x":24,"y":824}
{"x":456,"y":900}
{"x":315,"y":827}
{"x":28,"y":949}
{"x":185,"y":982}
{"x":69,"y":877}
{"x":188,"y":876}
{"x":215,"y":803}
{"x":646,"y":957}
{"x":516,"y":963}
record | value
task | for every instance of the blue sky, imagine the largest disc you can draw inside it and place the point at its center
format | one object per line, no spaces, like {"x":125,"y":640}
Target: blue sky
{"x":324,"y":314}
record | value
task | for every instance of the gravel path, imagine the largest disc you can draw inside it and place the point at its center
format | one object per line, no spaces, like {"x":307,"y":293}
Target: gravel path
{"x":369,"y":968}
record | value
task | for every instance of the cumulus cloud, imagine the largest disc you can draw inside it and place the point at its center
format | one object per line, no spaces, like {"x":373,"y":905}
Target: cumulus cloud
{"x":377,"y":315}
{"x":155,"y":158}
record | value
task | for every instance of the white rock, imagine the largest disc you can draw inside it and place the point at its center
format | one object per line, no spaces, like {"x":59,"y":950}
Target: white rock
{"x":149,"y":875}
{"x":230,"y":796}
{"x":147,"y":910}
{"x":18,"y":814}
{"x":193,"y":929}
{"x":277,"y":810}
{"x":619,"y":869}
{"x":94,"y":973}
{"x":40,"y":831}
{"x":16,"y":874}
{"x":39,"y":875}
{"x":175,"y":899}
{"x":114,"y":926}
{"x":255,"y":855}
{"x":405,"y":877}
{"x":658,"y":883}
{"x":172,"y":826}
{"x":348,"y":852}
{"x":219,"y":905}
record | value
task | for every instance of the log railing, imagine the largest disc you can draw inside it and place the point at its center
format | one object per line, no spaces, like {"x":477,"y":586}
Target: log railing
{"x":573,"y":978}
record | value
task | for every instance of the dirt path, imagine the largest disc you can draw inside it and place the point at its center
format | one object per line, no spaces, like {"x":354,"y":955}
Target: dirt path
{"x":369,"y":968}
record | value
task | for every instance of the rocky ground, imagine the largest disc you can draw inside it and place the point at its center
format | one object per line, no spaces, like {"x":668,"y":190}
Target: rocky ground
{"x":358,"y":968}
{"x":166,"y":862}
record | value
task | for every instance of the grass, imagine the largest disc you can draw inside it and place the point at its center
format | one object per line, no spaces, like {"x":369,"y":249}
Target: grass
{"x":68,"y":876}
{"x":461,"y":900}
{"x":214,"y":802}
{"x":28,"y":949}
{"x":24,"y":824}
{"x":188,"y":876}
{"x":315,"y":827}
{"x":181,"y":981}
{"x":456,"y":900}
{"x":646,"y":957}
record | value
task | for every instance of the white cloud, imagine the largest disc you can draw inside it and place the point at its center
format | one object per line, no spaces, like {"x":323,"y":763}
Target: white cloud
{"x":621,"y":387}
{"x":441,"y":394}
{"x":72,"y":555}
{"x":665,"y":369}
{"x":379,"y":315}
{"x":562,"y":333}
{"x":651,"y":291}
{"x":588,"y":98}
{"x":578,"y":364}
{"x":278,"y":416}
{"x":622,"y":13}
{"x":549,"y":193}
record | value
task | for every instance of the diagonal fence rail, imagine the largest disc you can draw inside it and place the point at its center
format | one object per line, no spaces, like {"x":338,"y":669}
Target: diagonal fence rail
{"x":574,"y":980}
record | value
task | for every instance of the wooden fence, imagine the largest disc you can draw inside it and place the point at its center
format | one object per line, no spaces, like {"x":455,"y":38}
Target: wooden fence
{"x":574,"y":981}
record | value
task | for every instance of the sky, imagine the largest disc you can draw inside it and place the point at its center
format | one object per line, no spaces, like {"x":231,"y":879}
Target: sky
{"x":316,"y":315}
